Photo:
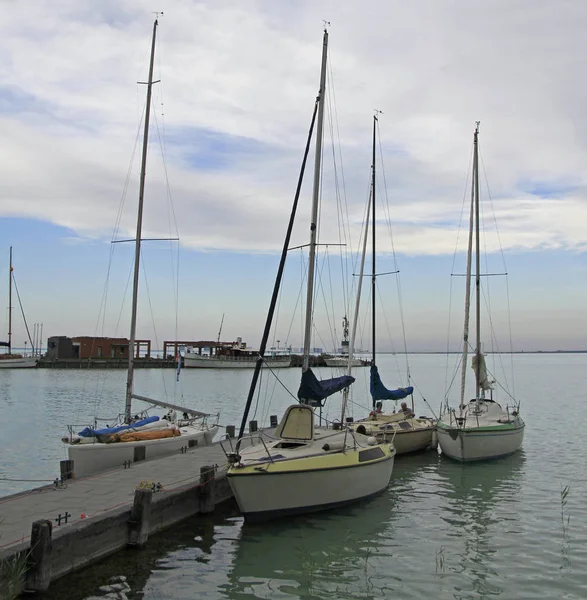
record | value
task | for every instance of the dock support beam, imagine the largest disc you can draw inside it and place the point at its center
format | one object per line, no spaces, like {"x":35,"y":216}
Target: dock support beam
{"x":138,"y":525}
{"x":207,"y":488}
{"x":38,"y":574}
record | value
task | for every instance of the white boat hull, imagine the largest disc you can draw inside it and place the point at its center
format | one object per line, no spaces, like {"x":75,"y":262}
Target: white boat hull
{"x":206,"y":362}
{"x":470,"y":444}
{"x":25,"y":362}
{"x":268,"y":495}
{"x":344,"y":362}
{"x":89,"y":459}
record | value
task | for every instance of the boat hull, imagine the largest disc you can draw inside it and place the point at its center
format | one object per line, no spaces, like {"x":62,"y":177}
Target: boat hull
{"x":470,"y":444}
{"x":89,"y":459}
{"x":272,"y":492}
{"x":344,"y":362}
{"x":25,"y":362}
{"x":205,"y":362}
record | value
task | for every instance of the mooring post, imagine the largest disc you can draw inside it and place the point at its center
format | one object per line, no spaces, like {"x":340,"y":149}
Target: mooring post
{"x":273,"y":420}
{"x":253,"y":426}
{"x":207,"y":488}
{"x":38,"y":573}
{"x":66,"y":469}
{"x":138,"y":525}
{"x":230,"y":431}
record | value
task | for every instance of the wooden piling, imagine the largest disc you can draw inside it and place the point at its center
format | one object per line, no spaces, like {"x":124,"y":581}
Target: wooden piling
{"x":138,"y":524}
{"x":207,"y":488}
{"x":253,"y":426}
{"x":273,"y":420}
{"x":66,"y":469}
{"x":38,"y":573}
{"x":230,"y":431}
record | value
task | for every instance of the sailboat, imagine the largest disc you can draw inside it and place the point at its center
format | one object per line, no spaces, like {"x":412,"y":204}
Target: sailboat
{"x":301,"y":467}
{"x":480,"y":429}
{"x":8,"y":360}
{"x":133,"y":438}
{"x":409,"y":433}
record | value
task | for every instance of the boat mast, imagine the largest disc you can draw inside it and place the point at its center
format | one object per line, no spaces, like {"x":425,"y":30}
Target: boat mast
{"x":135,"y":287}
{"x":315,"y":197}
{"x":10,"y":304}
{"x":477,"y":266}
{"x":373,"y":273}
{"x":468,"y":291}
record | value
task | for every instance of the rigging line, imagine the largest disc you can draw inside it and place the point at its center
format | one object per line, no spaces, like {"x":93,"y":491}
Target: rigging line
{"x":339,"y":208}
{"x":395,"y":262}
{"x":171,"y":215}
{"x":26,"y":325}
{"x":453,"y":267}
{"x":321,"y":291}
{"x":332,"y":326}
{"x":346,"y":226}
{"x":146,"y":280}
{"x":504,"y":266}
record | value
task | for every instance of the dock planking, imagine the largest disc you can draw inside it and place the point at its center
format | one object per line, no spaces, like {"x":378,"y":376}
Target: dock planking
{"x":95,"y":516}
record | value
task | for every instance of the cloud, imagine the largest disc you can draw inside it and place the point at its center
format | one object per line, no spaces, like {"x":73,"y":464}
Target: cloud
{"x":233,"y":108}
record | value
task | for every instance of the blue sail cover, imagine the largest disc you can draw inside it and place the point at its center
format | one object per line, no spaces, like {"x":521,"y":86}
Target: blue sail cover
{"x":89,"y":432}
{"x":313,"y":391}
{"x":380,"y":392}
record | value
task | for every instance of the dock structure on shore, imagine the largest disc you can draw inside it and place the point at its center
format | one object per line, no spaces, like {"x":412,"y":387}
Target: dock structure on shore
{"x":76,"y":522}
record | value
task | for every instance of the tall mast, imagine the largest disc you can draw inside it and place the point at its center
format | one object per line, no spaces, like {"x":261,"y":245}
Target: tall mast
{"x":468,"y":289}
{"x":373,"y":272}
{"x":10,"y":304}
{"x":477,"y":265}
{"x":315,"y":197}
{"x":135,"y":287}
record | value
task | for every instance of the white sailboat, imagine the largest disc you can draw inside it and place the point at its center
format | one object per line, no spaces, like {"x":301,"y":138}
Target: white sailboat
{"x":480,"y":429}
{"x":304,"y":468}
{"x":139,"y":437}
{"x":408,"y":432}
{"x":10,"y":360}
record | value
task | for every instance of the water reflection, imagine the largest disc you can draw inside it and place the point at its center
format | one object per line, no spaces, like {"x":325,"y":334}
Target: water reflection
{"x":480,"y":508}
{"x":339,"y":554}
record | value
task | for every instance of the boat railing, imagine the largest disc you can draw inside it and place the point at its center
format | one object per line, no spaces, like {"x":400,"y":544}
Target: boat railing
{"x":253,"y":439}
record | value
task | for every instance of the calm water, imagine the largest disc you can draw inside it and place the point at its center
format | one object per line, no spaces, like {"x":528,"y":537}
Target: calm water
{"x":441,"y":530}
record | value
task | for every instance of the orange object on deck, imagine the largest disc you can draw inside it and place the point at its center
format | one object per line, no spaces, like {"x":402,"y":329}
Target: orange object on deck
{"x":139,"y":436}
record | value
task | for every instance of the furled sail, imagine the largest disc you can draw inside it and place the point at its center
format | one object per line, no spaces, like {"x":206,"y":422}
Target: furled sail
{"x":380,"y":392}
{"x":484,"y":382}
{"x":312,"y":390}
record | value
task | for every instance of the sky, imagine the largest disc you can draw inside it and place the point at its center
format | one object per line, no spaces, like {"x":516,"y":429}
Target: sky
{"x":229,"y":122}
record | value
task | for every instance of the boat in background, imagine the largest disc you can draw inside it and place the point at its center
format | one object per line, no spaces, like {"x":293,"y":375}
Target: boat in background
{"x":301,"y":467}
{"x":233,"y":355}
{"x":137,"y":437}
{"x":480,"y":429}
{"x":10,"y":360}
{"x":341,"y":359}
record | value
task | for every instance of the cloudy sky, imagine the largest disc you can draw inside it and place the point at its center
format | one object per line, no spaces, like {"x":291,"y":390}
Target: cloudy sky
{"x":229,"y":121}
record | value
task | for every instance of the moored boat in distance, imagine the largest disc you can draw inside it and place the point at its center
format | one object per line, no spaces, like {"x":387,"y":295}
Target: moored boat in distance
{"x":232,"y":355}
{"x":10,"y":360}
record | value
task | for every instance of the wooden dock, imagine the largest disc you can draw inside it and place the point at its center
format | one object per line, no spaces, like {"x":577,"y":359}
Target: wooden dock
{"x":69,"y":525}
